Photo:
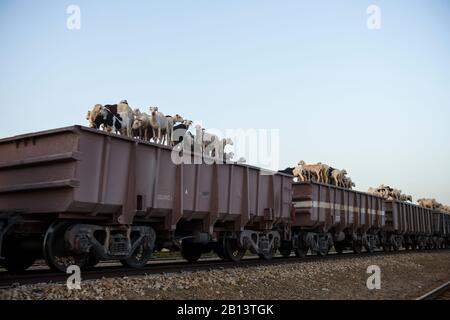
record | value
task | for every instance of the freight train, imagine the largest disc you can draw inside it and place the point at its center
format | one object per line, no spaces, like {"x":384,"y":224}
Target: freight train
{"x":77,"y":195}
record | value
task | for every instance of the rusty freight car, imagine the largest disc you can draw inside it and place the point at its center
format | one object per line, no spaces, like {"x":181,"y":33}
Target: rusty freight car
{"x":326,"y":215}
{"x":79,"y":195}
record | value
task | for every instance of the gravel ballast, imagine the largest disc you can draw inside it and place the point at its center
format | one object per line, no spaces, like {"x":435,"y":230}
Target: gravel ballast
{"x":403,"y":276}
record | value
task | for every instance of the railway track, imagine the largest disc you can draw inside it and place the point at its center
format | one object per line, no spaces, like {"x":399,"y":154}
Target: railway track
{"x":441,"y":292}
{"x":168,"y":266}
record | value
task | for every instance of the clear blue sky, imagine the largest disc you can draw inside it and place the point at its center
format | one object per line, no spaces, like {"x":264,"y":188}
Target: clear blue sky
{"x":376,"y":103}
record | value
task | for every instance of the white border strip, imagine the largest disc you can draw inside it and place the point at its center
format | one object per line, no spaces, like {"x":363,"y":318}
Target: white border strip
{"x":335,"y":206}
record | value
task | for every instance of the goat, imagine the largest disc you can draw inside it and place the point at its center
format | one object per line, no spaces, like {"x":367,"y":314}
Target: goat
{"x":171,"y":120}
{"x":311,"y":169}
{"x":348,"y":183}
{"x":92,"y":115}
{"x":159,"y":125}
{"x":338,"y":177}
{"x":111,"y":120}
{"x":141,"y":123}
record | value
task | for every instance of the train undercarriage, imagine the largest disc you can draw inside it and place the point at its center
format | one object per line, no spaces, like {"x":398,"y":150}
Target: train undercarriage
{"x":66,"y":242}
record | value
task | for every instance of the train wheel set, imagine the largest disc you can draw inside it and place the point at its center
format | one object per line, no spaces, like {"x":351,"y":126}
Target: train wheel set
{"x":79,"y":196}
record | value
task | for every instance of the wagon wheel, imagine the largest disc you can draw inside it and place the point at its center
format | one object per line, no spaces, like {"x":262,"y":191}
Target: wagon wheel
{"x":56,"y":252}
{"x":301,"y":251}
{"x":357,"y":246}
{"x":323,"y":251}
{"x":219,"y":249}
{"x":231,"y":249}
{"x":268,"y":255}
{"x":139,"y":259}
{"x":421,"y":245}
{"x":396,"y":243}
{"x":16,"y":259}
{"x":430,"y":244}
{"x":339,"y":247}
{"x":92,"y":261}
{"x":369,"y":248}
{"x":437,"y":245}
{"x":191,"y":251}
{"x":369,"y":245}
{"x":285,"y":248}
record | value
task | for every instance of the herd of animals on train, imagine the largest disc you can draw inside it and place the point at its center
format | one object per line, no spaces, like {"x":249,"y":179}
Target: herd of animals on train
{"x":170,"y":130}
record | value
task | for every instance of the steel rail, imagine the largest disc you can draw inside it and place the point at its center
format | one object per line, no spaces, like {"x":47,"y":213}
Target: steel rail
{"x":436,"y":292}
{"x":156,"y":267}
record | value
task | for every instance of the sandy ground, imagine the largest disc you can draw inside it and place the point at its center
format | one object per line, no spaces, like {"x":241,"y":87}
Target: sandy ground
{"x":404,"y":276}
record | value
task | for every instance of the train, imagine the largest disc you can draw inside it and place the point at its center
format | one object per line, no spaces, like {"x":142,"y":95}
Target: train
{"x":77,"y":195}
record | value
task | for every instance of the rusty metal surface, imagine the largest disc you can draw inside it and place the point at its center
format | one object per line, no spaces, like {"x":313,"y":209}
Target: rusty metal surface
{"x":82,"y":172}
{"x":324,"y":207}
{"x":408,"y":218}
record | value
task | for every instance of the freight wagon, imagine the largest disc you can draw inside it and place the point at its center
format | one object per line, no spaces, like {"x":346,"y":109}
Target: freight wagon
{"x":79,"y":195}
{"x":327,"y":215}
{"x":407,"y":225}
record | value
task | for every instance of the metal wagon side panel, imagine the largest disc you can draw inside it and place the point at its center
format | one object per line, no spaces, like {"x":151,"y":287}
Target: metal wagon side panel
{"x":408,"y":218}
{"x":323,"y":206}
{"x":85,"y":173}
{"x":37,"y":170}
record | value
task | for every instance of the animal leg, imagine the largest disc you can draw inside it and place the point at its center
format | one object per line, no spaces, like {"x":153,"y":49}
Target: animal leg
{"x":319,"y":176}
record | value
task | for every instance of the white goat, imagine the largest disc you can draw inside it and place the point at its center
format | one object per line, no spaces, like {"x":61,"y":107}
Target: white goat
{"x":159,"y":125}
{"x":142,"y":124}
{"x":171,"y":121}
